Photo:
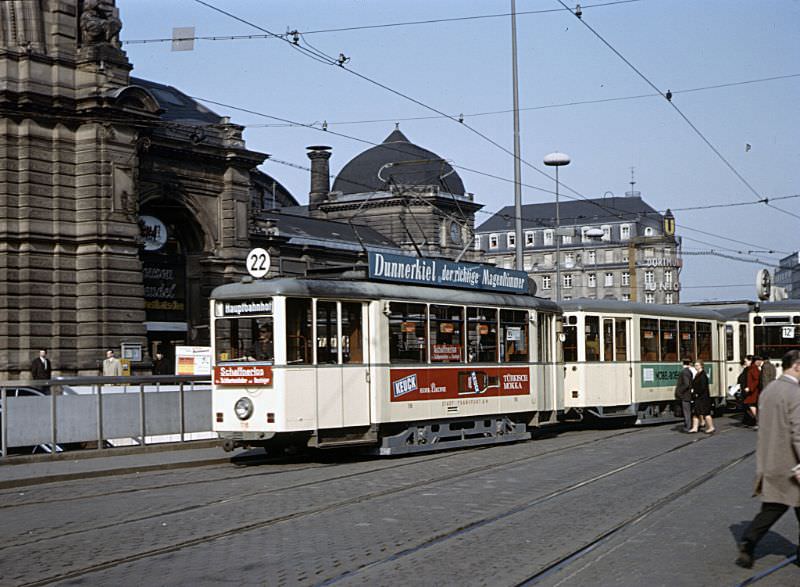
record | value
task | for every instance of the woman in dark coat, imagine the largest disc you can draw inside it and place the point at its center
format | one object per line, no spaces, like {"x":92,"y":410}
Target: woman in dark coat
{"x":752,"y":389}
{"x":702,"y":400}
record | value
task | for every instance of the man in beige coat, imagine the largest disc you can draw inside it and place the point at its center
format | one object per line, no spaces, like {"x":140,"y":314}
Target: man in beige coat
{"x":777,"y":456}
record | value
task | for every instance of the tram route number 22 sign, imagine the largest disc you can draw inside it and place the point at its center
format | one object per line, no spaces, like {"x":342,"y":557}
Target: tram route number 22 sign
{"x":243,"y":375}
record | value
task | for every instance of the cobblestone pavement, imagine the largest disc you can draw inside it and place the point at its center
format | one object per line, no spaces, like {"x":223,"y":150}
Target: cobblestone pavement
{"x":657,"y":507}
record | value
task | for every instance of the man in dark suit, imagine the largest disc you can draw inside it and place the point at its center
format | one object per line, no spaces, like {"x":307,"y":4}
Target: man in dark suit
{"x":41,"y":369}
{"x":683,"y":393}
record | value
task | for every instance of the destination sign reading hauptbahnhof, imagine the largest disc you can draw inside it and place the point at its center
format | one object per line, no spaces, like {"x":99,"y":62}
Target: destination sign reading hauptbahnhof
{"x":399,"y":268}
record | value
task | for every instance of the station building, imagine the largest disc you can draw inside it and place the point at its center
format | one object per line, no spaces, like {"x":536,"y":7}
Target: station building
{"x":610,"y":248}
{"x":787,"y":275}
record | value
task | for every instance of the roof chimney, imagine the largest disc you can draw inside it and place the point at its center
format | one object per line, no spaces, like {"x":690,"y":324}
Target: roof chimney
{"x":320,"y":175}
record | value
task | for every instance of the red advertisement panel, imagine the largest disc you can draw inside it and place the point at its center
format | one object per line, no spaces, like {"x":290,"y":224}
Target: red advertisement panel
{"x":243,"y":375}
{"x":409,"y":385}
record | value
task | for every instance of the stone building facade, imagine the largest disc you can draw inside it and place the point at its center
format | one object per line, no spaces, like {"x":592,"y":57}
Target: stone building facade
{"x":610,"y":248}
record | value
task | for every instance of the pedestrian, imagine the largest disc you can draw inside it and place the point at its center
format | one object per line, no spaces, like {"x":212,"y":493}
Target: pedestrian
{"x":683,"y":393}
{"x":111,"y":366}
{"x":752,"y":390}
{"x":702,"y":400}
{"x":768,"y":372}
{"x":777,"y":457}
{"x":742,"y":381}
{"x":42,"y":369}
{"x":161,"y":366}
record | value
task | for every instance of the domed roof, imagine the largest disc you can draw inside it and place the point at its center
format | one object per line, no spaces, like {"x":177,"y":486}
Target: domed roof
{"x":400,"y":162}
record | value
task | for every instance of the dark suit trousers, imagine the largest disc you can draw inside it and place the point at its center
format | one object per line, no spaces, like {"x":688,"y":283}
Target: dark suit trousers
{"x":769,"y":514}
{"x":687,"y":413}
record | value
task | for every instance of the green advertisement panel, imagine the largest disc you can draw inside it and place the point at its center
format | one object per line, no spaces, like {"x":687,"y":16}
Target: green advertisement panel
{"x":666,"y":374}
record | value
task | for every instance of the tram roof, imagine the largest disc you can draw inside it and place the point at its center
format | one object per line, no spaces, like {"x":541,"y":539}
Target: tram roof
{"x":740,"y":310}
{"x":620,"y":307}
{"x":362,"y":289}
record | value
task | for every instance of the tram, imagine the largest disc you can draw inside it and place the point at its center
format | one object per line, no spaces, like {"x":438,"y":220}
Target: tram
{"x":622,"y":359}
{"x":383,"y":360}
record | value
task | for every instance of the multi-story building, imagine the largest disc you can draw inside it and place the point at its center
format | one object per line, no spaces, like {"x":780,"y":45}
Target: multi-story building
{"x":609,"y":248}
{"x":787,"y":275}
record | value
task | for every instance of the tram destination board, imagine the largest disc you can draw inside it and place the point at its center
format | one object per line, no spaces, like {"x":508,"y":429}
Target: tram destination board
{"x":437,"y":272}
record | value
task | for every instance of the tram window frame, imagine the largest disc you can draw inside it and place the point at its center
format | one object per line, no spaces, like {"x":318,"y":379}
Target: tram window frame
{"x":514,"y":350}
{"x":569,"y":348}
{"x":687,"y":327}
{"x":401,"y":316}
{"x":668,"y":337}
{"x":742,"y":341}
{"x":621,"y":339}
{"x":247,"y":338}
{"x":649,"y":345}
{"x":327,"y":332}
{"x":482,"y":347}
{"x":729,"y":342}
{"x":352,"y":333}
{"x":608,"y":340}
{"x":705,"y":341}
{"x":299,"y":331}
{"x":768,"y":340}
{"x":591,"y":338}
{"x":443,"y":316}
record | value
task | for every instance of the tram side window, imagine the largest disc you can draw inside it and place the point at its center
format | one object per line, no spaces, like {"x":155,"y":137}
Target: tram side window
{"x":742,"y":341}
{"x":447,"y":331}
{"x":592,"y":337}
{"x":482,"y":335}
{"x":729,"y":342}
{"x":622,"y":340}
{"x":570,"y":345}
{"x":649,"y":341}
{"x":352,"y":333}
{"x":687,"y":340}
{"x":773,"y":342}
{"x":407,"y":330}
{"x":298,"y":331}
{"x":669,"y":340}
{"x":244,"y":339}
{"x":704,"y":341}
{"x":608,"y":339}
{"x":327,"y":348}
{"x":514,"y":334}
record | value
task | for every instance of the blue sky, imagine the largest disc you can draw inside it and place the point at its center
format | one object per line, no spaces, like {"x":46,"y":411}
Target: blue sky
{"x":465,"y":67}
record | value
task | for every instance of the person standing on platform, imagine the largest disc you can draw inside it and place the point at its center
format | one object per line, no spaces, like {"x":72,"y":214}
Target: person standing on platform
{"x":41,"y":369}
{"x":777,"y":457}
{"x":752,"y":390}
{"x":683,"y":393}
{"x":768,"y":372}
{"x":112,"y":366}
{"x":161,"y":366}
{"x":702,"y":400}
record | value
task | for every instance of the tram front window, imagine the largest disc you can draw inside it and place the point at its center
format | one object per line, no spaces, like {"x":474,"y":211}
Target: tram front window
{"x":773,"y":342}
{"x":244,"y":339}
{"x":482,"y":335}
{"x":298,"y":331}
{"x":407,"y":329}
{"x":514,"y":332}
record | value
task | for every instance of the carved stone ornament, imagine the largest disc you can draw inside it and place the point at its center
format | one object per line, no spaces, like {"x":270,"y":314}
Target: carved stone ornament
{"x":100,"y":23}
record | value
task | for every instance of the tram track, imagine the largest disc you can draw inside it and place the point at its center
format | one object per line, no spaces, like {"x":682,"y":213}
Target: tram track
{"x":244,"y":528}
{"x":305,"y":485}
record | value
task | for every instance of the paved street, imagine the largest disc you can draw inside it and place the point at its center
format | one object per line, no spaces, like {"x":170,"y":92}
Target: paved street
{"x":644,"y":506}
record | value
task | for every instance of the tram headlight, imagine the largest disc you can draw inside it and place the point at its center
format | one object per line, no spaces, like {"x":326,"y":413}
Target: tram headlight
{"x":243,"y":408}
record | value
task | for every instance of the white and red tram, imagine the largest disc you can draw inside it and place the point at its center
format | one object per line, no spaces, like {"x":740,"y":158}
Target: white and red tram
{"x":396,"y":367}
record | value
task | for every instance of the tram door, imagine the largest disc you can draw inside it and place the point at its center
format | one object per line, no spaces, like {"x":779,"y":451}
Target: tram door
{"x":342,"y":364}
{"x":617,"y":351}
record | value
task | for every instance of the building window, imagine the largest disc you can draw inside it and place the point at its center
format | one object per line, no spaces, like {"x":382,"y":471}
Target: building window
{"x":626,"y":278}
{"x":529,"y":238}
{"x":567,"y":280}
{"x":606,"y":232}
{"x":591,"y":280}
{"x":650,"y":278}
{"x":508,"y":263}
{"x":668,"y":298}
{"x":511,"y":240}
{"x":609,"y":256}
{"x":492,"y":241}
{"x":477,"y":242}
{"x":625,"y":232}
{"x":649,"y":298}
{"x":584,"y":238}
{"x":626,"y":297}
{"x":566,"y":239}
{"x":649,"y":252}
{"x":528,"y":263}
{"x":608,"y":281}
{"x":545,"y":282}
{"x":625,"y":257}
{"x":548,"y":259}
{"x":591,"y":257}
{"x":668,"y":276}
{"x":569,"y":259}
{"x":648,"y":231}
{"x":667,"y":252}
{"x":548,"y":238}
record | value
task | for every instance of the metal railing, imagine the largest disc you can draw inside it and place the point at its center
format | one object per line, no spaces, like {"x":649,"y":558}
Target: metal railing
{"x":108,"y":411}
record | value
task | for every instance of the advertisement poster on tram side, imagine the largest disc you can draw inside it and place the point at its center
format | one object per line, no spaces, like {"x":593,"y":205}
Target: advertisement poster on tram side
{"x":458,"y":383}
{"x":666,"y":374}
{"x":246,"y":375}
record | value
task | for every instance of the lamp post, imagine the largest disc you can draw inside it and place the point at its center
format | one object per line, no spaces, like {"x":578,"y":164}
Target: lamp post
{"x":517,"y":170}
{"x":557,"y":160}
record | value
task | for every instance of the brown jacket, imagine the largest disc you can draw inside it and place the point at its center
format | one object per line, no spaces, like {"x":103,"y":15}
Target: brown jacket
{"x":778,"y":443}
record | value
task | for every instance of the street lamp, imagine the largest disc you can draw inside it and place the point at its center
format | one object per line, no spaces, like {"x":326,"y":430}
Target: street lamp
{"x":557,"y":160}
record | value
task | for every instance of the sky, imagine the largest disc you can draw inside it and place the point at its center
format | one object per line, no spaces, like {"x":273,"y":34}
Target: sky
{"x":719,"y":150}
